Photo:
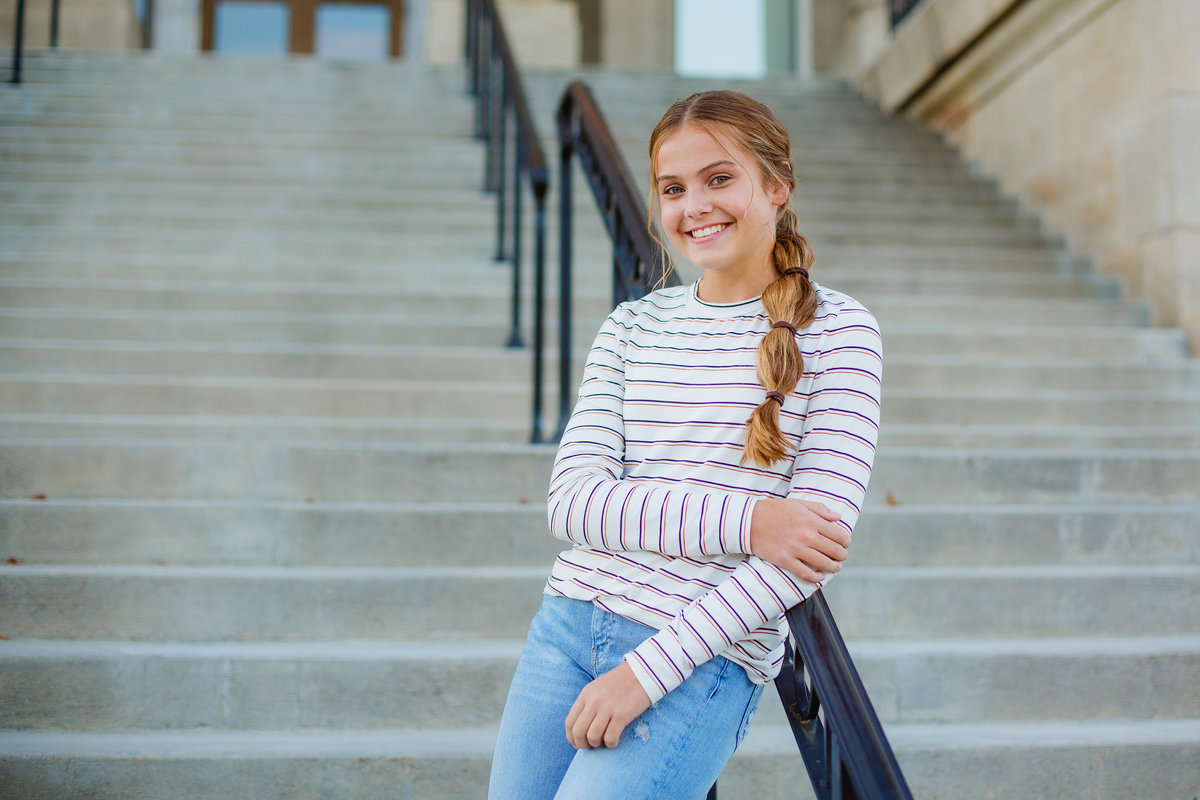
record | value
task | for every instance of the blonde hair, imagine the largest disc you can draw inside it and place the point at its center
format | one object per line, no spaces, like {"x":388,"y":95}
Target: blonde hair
{"x":790,"y":300}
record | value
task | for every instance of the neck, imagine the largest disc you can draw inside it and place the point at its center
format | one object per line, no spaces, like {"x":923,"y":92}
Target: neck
{"x":717,"y":288}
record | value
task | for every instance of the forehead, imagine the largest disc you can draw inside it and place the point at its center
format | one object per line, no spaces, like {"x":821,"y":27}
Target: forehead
{"x":693,"y":147}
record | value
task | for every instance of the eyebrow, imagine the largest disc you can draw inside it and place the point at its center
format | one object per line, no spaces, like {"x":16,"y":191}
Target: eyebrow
{"x":712,"y":166}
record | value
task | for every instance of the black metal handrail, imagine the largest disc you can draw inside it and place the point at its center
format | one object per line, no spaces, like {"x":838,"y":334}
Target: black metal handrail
{"x":899,"y":9}
{"x":500,"y":102}
{"x":18,"y":55}
{"x":638,"y":260}
{"x":835,"y":726}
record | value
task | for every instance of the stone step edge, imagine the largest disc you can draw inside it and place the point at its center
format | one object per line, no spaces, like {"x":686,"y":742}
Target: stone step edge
{"x":479,"y":742}
{"x":536,"y":508}
{"x":269,"y":573}
{"x":391,"y":650}
{"x":520,"y":387}
{"x":449,"y":450}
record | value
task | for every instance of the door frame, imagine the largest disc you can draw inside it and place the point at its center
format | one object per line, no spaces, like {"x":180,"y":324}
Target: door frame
{"x":302,"y":23}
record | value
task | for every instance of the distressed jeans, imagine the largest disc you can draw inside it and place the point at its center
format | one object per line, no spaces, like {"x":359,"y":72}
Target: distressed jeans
{"x":674,"y":750}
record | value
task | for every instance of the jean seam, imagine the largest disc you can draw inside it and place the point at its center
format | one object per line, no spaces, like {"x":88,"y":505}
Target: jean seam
{"x":670,"y":769}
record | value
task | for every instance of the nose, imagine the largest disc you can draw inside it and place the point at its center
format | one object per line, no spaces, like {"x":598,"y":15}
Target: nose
{"x":697,"y":203}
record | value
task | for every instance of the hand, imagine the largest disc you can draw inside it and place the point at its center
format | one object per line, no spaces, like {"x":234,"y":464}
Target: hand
{"x":799,"y":536}
{"x":604,"y":708}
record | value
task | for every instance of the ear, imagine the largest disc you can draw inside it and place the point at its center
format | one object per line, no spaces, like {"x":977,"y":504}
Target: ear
{"x":780,"y":192}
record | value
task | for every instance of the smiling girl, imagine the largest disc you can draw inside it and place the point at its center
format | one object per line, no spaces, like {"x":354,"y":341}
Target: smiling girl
{"x":709,"y":479}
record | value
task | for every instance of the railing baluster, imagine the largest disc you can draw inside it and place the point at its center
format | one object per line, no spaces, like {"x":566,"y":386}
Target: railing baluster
{"x":18,"y":43}
{"x":54,"y":9}
{"x":499,"y":102}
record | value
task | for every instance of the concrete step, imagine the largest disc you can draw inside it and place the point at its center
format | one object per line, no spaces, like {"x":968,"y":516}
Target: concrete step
{"x":264,"y":359}
{"x":106,"y":686}
{"x":941,"y":762}
{"x":375,"y":472}
{"x":23,"y":184}
{"x":31,"y":393}
{"x":56,"y":265}
{"x":515,"y":431}
{"x":349,"y":604}
{"x":238,"y":209}
{"x":485,"y":289}
{"x":355,"y":231}
{"x":416,"y":533}
{"x":1117,"y":758}
{"x":940,"y":195}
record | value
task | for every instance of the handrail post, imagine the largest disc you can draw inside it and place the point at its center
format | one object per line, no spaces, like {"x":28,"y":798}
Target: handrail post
{"x":54,"y":9}
{"x":539,"y":306}
{"x":565,"y":244}
{"x":514,"y":337}
{"x":18,"y":43}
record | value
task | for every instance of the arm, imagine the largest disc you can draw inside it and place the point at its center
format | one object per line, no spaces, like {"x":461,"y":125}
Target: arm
{"x":590,"y":504}
{"x":832,"y":467}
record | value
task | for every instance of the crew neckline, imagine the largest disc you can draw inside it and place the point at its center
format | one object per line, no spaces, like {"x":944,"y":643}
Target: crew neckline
{"x":737,"y":308}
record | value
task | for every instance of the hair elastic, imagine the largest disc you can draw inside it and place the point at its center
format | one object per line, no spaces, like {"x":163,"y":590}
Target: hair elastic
{"x":783,"y":323}
{"x":776,"y":396}
{"x":794,"y":271}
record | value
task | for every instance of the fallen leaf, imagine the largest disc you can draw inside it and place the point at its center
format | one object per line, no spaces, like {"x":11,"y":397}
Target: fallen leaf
{"x":39,"y":496}
{"x":12,"y":561}
{"x":891,"y":500}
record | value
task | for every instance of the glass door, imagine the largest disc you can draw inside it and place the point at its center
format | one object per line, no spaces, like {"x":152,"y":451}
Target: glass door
{"x":342,"y":30}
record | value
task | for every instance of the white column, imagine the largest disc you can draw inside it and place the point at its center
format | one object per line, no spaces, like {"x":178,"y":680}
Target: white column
{"x":804,"y":39}
{"x":177,"y":27}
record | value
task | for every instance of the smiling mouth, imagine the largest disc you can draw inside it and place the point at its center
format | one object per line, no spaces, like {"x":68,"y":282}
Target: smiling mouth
{"x":700,"y":233}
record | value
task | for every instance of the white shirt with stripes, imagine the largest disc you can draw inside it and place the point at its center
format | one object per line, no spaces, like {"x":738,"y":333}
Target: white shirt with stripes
{"x":649,"y":486}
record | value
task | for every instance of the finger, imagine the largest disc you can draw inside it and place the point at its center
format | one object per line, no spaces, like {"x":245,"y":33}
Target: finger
{"x":834,"y":532}
{"x":612,"y":735}
{"x":572,"y":720}
{"x":596,"y":731}
{"x":830,"y":549}
{"x":824,"y":511}
{"x":806,"y":573}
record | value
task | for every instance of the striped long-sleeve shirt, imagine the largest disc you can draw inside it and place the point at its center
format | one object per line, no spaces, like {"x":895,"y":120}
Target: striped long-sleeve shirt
{"x":649,"y":485}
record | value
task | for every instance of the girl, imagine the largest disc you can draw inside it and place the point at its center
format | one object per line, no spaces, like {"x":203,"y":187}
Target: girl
{"x":694,"y":527}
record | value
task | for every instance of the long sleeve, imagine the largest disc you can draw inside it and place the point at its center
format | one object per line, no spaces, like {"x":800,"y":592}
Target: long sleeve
{"x":590,"y":501}
{"x":832,"y":466}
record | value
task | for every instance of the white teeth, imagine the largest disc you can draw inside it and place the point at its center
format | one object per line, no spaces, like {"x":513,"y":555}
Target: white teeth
{"x":700,"y":233}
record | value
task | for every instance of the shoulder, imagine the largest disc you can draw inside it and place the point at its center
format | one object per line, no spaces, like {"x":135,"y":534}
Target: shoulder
{"x":840,"y":314}
{"x":654,"y":308}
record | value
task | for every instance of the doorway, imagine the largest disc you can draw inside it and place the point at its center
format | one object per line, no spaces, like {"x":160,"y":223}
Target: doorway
{"x":337,"y":30}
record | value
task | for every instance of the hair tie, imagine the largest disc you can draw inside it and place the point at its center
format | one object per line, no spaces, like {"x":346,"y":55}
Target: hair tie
{"x":794,"y":271}
{"x":783,"y":323}
{"x":776,"y":396}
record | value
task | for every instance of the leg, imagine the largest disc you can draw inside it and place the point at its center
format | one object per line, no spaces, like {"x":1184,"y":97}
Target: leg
{"x":532,"y":752}
{"x":679,"y":746}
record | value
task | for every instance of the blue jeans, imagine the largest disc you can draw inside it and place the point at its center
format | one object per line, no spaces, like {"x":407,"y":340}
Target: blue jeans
{"x":674,"y":750}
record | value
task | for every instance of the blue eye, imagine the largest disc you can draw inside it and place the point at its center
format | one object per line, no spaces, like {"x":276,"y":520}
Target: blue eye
{"x":673,"y":189}
{"x":717,"y":180}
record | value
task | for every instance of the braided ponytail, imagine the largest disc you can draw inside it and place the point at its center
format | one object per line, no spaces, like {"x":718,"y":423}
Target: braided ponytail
{"x":790,"y":300}
{"x":791,"y":303}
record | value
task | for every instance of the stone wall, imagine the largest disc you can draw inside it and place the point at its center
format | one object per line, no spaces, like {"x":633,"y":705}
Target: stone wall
{"x":543,"y":33}
{"x":83,"y":24}
{"x":1087,"y":110}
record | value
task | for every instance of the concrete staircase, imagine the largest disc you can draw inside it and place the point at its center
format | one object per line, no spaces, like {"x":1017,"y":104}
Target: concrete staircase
{"x":272,"y":529}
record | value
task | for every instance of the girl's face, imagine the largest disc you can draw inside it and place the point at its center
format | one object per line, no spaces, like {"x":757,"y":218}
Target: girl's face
{"x":715,"y":208}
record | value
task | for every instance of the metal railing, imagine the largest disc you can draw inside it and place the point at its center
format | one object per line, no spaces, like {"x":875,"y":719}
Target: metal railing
{"x":638,"y":260}
{"x":899,"y":9}
{"x":146,"y":26}
{"x":500,"y":103}
{"x":835,"y":726}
